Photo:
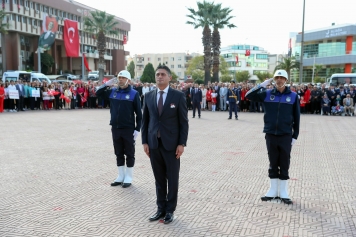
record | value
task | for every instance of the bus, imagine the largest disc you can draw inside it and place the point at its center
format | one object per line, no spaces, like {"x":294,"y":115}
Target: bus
{"x":342,"y":79}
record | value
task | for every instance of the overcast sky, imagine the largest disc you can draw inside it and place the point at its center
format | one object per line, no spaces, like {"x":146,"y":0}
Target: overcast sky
{"x":158,"y":26}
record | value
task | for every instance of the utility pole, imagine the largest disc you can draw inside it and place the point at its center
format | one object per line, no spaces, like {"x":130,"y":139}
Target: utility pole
{"x":302,"y":48}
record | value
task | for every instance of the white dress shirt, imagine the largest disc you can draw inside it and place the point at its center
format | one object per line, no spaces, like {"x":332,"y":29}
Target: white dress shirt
{"x":164,"y":94}
{"x":145,"y":90}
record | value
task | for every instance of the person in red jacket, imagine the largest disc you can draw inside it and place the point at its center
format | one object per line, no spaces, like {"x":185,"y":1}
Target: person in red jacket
{"x":302,"y":105}
{"x":208,"y":98}
{"x":243,"y":99}
{"x":307,"y":99}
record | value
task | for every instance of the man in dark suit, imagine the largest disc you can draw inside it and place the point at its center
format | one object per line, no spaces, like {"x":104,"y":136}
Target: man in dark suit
{"x":19,"y":103}
{"x":197,"y":99}
{"x":164,"y":136}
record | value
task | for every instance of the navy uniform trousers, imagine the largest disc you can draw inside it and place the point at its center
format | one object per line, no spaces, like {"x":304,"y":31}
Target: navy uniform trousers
{"x":232,"y":107}
{"x":279,"y":148}
{"x":124,"y":145}
{"x":165,"y":167}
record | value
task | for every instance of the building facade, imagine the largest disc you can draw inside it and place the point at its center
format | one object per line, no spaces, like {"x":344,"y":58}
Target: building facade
{"x":177,"y":62}
{"x":333,"y":47}
{"x":249,"y":58}
{"x":273,"y":60}
{"x":25,"y":22}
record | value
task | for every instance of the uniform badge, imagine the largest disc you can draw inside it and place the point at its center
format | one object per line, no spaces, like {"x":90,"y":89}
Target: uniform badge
{"x":127,"y":97}
{"x":114,"y":95}
{"x":271,"y":97}
{"x":288,"y":99}
{"x":172,"y":106}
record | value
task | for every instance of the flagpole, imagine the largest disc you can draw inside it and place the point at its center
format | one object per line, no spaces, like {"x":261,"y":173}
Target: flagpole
{"x":39,"y":59}
{"x":82,"y":39}
{"x":302,"y":49}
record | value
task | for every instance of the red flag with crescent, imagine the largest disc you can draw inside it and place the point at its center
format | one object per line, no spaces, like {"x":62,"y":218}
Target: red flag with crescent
{"x":71,"y":38}
{"x":86,"y":63}
{"x":125,"y":39}
{"x":237,"y":59}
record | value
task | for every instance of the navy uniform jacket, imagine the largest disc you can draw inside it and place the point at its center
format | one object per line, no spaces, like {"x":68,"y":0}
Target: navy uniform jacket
{"x":124,"y":104}
{"x":282,"y":111}
{"x":232,"y":99}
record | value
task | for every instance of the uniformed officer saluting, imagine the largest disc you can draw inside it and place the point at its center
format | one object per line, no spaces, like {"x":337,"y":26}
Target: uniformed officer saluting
{"x":282,"y":116}
{"x":124,"y":103}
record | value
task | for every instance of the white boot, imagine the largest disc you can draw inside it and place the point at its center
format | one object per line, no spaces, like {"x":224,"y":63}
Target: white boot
{"x":283,"y":192}
{"x":128,"y":177}
{"x":121,"y":176}
{"x":273,"y":190}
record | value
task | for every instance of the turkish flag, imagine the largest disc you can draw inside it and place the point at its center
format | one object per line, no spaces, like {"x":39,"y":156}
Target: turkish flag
{"x":248,"y":52}
{"x":125,"y":39}
{"x":237,"y":59}
{"x":86,"y":63}
{"x":71,"y":38}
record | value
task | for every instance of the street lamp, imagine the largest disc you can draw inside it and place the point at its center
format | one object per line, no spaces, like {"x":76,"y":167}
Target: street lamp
{"x":302,"y":49}
{"x":82,"y":39}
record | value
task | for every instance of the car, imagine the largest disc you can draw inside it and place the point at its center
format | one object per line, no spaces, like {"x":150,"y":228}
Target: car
{"x":93,"y":75}
{"x":69,"y":76}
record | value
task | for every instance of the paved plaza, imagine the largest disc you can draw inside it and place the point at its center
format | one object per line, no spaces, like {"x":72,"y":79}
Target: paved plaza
{"x":56,"y":169}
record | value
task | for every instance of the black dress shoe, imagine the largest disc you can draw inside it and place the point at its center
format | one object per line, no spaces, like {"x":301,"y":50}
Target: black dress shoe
{"x":126,"y":185}
{"x":265,"y":198}
{"x":236,"y":118}
{"x":116,"y":183}
{"x":157,"y":216}
{"x":193,"y":117}
{"x":168,"y":218}
{"x":199,"y":116}
{"x":286,"y":201}
{"x":229,"y":118}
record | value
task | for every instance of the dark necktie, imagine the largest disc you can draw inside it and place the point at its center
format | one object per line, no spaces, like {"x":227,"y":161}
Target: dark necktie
{"x":160,"y":108}
{"x":160,"y":103}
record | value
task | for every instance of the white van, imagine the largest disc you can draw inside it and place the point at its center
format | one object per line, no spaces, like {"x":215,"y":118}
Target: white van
{"x":16,"y":75}
{"x":343,"y":78}
{"x":25,"y":76}
{"x":40,"y":77}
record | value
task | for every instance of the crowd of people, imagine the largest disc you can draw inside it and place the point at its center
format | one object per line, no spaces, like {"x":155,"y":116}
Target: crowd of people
{"x":78,"y":94}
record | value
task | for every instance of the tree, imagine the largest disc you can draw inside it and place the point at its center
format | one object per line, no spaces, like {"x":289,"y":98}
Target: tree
{"x":242,"y":76}
{"x":201,"y":19}
{"x":131,"y":69}
{"x":174,"y":76}
{"x":263,"y":75}
{"x":198,"y":75}
{"x":148,"y":74}
{"x":101,"y":24}
{"x":219,"y":19}
{"x":196,"y":67}
{"x":47,"y":62}
{"x":3,"y":30}
{"x":317,"y":69}
{"x":226,"y":78}
{"x":287,"y":64}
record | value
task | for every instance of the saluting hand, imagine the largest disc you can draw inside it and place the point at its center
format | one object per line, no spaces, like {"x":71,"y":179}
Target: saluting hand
{"x":179,"y":151}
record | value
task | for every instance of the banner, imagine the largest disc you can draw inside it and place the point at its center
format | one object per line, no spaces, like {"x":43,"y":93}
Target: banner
{"x":14,"y":94}
{"x":71,"y":38}
{"x":125,"y":39}
{"x":35,"y":93}
{"x":48,"y":33}
{"x":248,"y":52}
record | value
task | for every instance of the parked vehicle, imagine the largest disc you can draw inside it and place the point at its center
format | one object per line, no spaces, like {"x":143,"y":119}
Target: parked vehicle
{"x":343,"y":78}
{"x":69,"y":76}
{"x":25,"y":76}
{"x":93,"y":75}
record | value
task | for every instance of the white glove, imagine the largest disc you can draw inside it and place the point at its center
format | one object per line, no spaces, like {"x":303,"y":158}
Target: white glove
{"x":227,"y":102}
{"x":237,"y":102}
{"x":266,"y":82}
{"x":111,"y":82}
{"x":293,"y":141}
{"x":135,"y":134}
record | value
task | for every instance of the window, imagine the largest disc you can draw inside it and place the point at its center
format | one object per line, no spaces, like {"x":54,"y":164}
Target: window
{"x":34,"y":22}
{"x":179,"y":73}
{"x":158,"y":59}
{"x":255,"y":48}
{"x":179,"y":66}
{"x":248,"y":64}
{"x":148,"y":59}
{"x":55,"y":12}
{"x":172,"y":58}
{"x":26,"y":4}
{"x":18,"y":18}
{"x":75,"y":17}
{"x":172,"y":66}
{"x":24,"y":19}
{"x":64,"y":15}
{"x":32,"y":6}
{"x":15,"y":1}
{"x":261,"y":56}
{"x":179,"y":58}
{"x":38,"y":7}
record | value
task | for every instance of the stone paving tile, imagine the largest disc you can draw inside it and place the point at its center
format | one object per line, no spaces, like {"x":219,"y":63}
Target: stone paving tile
{"x":56,"y":168}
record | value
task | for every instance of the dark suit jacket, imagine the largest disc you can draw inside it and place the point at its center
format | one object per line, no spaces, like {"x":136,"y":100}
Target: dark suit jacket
{"x":198,"y":97}
{"x":22,"y":91}
{"x":173,"y":122}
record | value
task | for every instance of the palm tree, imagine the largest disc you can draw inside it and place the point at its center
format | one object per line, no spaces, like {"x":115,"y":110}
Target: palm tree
{"x":219,"y":19}
{"x":288,"y":64}
{"x":201,"y":18}
{"x":101,"y":24}
{"x":3,"y":30}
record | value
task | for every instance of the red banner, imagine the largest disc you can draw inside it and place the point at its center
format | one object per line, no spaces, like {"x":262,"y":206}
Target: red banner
{"x":86,"y":63}
{"x":125,"y":39}
{"x":71,"y":38}
{"x":248,"y":52}
{"x":237,"y":59}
